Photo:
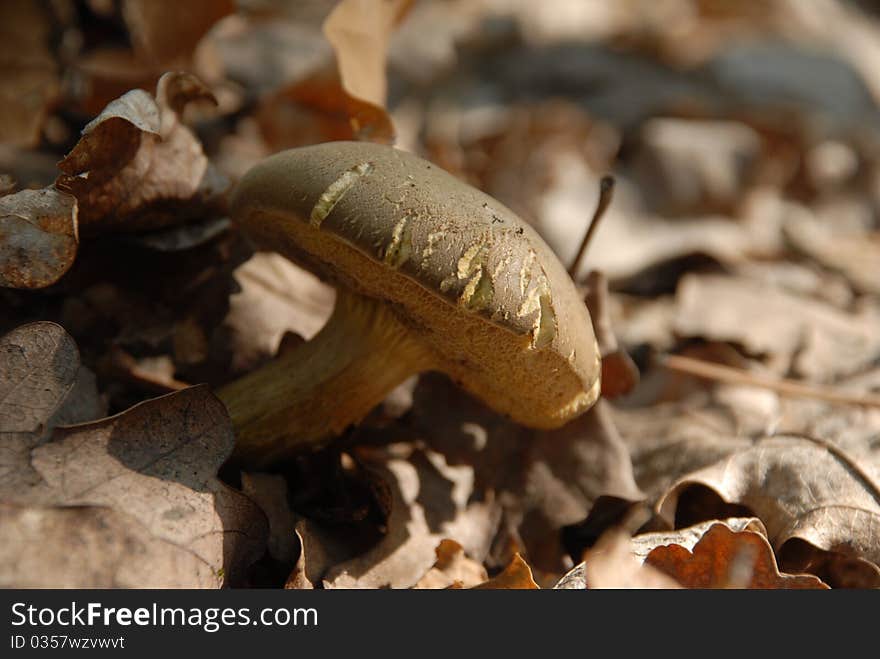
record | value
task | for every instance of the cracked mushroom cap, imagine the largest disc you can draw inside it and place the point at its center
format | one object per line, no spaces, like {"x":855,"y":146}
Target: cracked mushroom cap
{"x":475,"y":283}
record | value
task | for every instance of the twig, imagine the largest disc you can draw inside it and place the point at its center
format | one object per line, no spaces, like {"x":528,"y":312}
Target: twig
{"x":792,"y":388}
{"x":606,"y":194}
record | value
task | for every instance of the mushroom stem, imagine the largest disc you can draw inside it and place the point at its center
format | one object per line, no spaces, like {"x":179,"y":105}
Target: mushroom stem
{"x":316,"y":390}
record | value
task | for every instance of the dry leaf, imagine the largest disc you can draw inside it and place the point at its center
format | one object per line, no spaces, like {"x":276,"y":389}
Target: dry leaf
{"x":39,"y":367}
{"x":297,"y":579}
{"x":516,"y":576}
{"x":619,"y":373}
{"x":543,"y":480}
{"x":155,"y":464}
{"x":318,"y":109}
{"x":724,"y":558}
{"x":38,"y":237}
{"x":806,"y":492}
{"x":320,"y":550}
{"x":269,"y":492}
{"x":90,"y":547}
{"x":430,"y":502}
{"x":612,"y":564}
{"x":276,"y":296}
{"x":138,"y":167}
{"x":166,"y":32}
{"x":855,"y":255}
{"x":359,"y":31}
{"x":818,"y":341}
{"x":452,"y":569}
{"x":28,"y":72}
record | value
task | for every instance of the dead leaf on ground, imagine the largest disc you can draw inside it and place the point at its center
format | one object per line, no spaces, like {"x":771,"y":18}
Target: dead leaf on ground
{"x":516,"y":576}
{"x":724,"y":558}
{"x":452,"y":569}
{"x":611,"y":563}
{"x":38,"y":237}
{"x":542,"y":480}
{"x":155,"y":464}
{"x":41,"y":385}
{"x":430,"y":502}
{"x":855,"y":255}
{"x":276,"y":296}
{"x":138,"y":167}
{"x":90,"y":547}
{"x":819,"y":505}
{"x":816,"y":340}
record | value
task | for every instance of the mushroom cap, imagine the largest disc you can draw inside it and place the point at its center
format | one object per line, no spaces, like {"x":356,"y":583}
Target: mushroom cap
{"x":475,"y":283}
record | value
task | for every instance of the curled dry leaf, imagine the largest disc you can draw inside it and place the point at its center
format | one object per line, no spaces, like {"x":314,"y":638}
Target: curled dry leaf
{"x":619,"y":373}
{"x":724,"y":558}
{"x":359,"y":31}
{"x":138,"y":167}
{"x":28,"y":73}
{"x":155,"y":466}
{"x":318,"y":109}
{"x":38,"y":237}
{"x":452,"y":569}
{"x":516,"y":576}
{"x":319,"y":551}
{"x":820,"y":507}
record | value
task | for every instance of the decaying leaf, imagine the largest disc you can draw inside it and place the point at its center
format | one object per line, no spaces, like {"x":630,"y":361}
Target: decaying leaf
{"x":724,"y":558}
{"x":155,"y":466}
{"x":138,"y":167}
{"x":38,"y":237}
{"x":807,"y":493}
{"x":453,"y":569}
{"x":516,"y":576}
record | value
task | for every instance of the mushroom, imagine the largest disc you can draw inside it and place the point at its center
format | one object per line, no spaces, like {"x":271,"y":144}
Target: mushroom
{"x":430,"y":273}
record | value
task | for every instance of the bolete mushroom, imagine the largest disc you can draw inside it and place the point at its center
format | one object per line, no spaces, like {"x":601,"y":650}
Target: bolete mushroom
{"x":430,"y":273}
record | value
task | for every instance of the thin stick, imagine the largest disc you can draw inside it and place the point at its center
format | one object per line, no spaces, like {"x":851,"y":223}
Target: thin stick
{"x":606,"y":194}
{"x":720,"y":373}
